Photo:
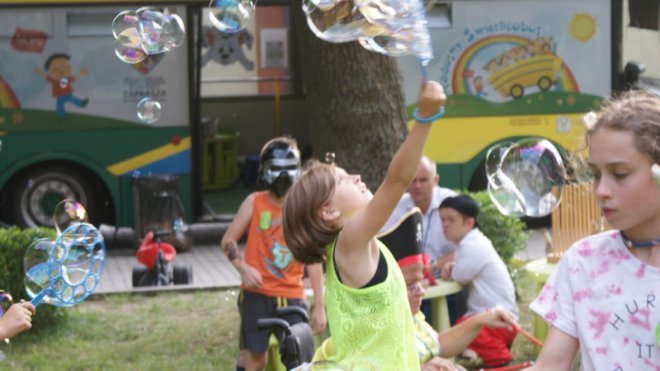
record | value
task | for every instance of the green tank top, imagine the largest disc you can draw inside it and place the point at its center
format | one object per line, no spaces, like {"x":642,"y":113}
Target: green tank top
{"x":372,"y":327}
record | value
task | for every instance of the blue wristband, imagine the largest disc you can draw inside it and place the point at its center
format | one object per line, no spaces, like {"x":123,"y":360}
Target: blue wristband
{"x":428,"y":120}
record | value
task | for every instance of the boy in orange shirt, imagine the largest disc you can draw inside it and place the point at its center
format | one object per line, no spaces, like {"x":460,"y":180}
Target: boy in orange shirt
{"x":270,"y":276}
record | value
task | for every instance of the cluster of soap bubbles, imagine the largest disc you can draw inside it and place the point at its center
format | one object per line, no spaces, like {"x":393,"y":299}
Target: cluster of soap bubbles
{"x":65,"y":271}
{"x":144,"y":32}
{"x":390,"y":27}
{"x":525,"y":178}
{"x":230,"y":16}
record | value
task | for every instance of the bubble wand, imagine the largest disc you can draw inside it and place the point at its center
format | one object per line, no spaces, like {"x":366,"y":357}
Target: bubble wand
{"x":423,"y":49}
{"x":73,"y":270}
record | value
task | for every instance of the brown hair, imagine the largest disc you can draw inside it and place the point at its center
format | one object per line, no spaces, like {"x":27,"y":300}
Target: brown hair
{"x":306,"y":234}
{"x":635,"y":111}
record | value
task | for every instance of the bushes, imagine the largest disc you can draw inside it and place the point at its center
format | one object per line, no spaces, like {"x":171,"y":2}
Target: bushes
{"x":13,"y":243}
{"x":506,"y":233}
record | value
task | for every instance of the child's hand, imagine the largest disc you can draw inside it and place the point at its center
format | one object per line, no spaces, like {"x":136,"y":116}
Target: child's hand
{"x":17,"y":319}
{"x":498,"y":317}
{"x":250,"y":277}
{"x":447,"y":271}
{"x":430,"y":98}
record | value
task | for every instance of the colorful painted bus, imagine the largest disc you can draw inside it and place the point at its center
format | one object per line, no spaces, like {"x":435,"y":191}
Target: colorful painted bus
{"x":513,"y":69}
{"x":91,"y":145}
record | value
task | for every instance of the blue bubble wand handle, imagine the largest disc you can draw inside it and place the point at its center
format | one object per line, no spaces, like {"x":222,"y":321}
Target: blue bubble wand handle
{"x":422,"y":46}
{"x":422,"y":68}
{"x":40,"y":297}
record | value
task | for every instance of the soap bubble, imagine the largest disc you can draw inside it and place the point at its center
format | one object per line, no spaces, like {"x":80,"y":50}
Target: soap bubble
{"x":68,"y":212}
{"x":149,"y":110}
{"x":174,"y":31}
{"x":230,"y":16}
{"x":5,"y":302}
{"x":128,"y":47}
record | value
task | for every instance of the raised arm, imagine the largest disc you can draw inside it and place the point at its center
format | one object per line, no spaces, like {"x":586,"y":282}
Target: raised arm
{"x":400,"y":173}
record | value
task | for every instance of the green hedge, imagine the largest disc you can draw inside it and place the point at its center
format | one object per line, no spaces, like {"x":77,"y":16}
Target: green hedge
{"x":13,"y":243}
{"x":506,"y":233}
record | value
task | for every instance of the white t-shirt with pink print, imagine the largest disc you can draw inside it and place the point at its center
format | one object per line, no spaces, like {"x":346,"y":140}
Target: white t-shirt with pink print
{"x":608,"y":299}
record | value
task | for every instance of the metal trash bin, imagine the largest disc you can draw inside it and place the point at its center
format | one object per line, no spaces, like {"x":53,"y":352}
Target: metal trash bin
{"x":157,"y":208}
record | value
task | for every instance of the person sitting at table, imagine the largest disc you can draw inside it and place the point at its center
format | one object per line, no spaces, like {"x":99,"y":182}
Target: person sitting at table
{"x":404,"y":241}
{"x":478,"y":266}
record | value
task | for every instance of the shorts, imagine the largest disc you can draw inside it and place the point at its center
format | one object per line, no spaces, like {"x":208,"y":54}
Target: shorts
{"x":253,"y":306}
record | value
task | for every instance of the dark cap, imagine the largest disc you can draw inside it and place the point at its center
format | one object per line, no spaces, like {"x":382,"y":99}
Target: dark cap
{"x":465,"y":205}
{"x":404,"y":240}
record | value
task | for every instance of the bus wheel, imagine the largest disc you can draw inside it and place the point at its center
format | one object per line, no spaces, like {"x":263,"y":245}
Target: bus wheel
{"x":544,"y":83}
{"x":517,"y":91}
{"x":31,"y":198}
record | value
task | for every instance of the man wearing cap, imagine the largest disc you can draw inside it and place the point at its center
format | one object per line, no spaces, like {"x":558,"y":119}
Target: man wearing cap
{"x":478,"y":266}
{"x":425,"y":194}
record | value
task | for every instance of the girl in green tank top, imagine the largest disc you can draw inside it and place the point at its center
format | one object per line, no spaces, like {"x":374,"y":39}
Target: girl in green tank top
{"x":330,"y":215}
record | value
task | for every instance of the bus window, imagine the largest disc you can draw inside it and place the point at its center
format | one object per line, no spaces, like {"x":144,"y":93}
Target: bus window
{"x":89,"y":24}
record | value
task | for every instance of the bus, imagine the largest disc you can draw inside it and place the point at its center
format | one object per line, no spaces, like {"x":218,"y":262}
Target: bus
{"x":512,"y":69}
{"x":91,"y":147}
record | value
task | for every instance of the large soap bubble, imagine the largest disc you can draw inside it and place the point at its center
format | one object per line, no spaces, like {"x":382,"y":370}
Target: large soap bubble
{"x":528,"y":179}
{"x":230,"y":16}
{"x":35,"y":266}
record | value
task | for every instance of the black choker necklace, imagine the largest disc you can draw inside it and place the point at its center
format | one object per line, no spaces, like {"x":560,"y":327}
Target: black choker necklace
{"x":631,"y":244}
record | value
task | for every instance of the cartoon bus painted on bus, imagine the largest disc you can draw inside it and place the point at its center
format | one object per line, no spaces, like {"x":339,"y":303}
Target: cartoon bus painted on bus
{"x":531,"y":64}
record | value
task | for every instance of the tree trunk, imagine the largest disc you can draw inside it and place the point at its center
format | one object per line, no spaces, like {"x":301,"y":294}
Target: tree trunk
{"x":355,"y":104}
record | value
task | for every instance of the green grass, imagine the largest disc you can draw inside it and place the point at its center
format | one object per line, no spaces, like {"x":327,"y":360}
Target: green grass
{"x":166,"y":331}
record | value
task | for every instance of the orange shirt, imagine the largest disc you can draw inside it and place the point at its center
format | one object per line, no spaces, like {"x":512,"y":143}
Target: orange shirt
{"x":266,"y":251}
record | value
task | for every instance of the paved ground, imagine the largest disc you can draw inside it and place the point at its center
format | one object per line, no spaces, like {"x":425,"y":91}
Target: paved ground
{"x":212,"y":270}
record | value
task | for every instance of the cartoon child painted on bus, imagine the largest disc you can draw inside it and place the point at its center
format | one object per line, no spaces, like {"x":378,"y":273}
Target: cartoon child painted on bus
{"x":58,"y":74}
{"x":478,"y":84}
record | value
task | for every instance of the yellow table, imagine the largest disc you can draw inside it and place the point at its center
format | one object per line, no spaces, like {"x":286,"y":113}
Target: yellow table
{"x":438,"y":295}
{"x":540,"y":269}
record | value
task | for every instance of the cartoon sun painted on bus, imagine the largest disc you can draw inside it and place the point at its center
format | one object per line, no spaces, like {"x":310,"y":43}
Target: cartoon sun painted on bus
{"x":582,"y":27}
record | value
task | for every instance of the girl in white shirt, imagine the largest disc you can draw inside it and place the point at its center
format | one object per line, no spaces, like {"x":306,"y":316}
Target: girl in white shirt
{"x":604,"y":296}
